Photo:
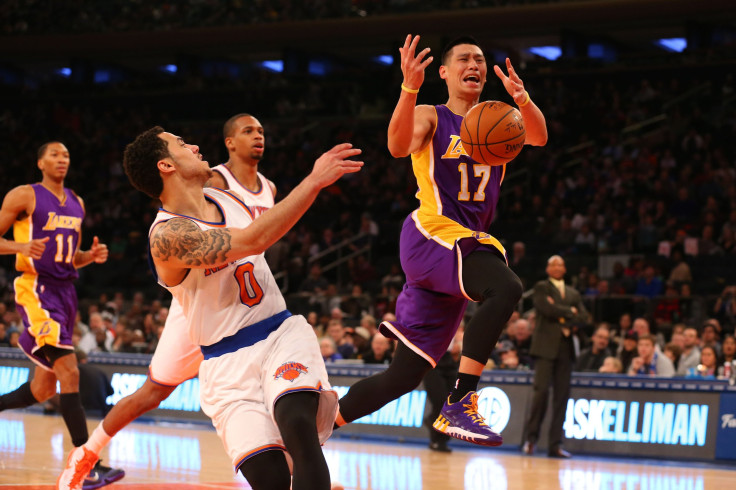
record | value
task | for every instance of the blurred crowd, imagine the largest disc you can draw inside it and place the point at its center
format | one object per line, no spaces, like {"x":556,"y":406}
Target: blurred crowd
{"x":38,"y":16}
{"x":636,"y":189}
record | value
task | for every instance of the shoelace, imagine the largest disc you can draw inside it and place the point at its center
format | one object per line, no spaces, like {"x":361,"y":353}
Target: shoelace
{"x":472,"y":410}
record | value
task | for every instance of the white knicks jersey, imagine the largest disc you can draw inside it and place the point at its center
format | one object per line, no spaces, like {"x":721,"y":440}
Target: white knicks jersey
{"x":220,"y":301}
{"x":258,"y":202}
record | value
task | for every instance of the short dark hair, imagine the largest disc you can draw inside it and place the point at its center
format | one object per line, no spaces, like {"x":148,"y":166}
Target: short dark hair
{"x":140,"y":161}
{"x":229,"y":126}
{"x":455,"y":42}
{"x":42,"y":149}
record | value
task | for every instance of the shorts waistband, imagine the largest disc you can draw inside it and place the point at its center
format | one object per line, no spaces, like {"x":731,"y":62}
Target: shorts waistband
{"x":246,"y":336}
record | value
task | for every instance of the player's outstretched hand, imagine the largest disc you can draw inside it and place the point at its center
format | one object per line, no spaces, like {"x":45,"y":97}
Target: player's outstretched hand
{"x":99,"y":251}
{"x":512,"y":83}
{"x":334,"y":164}
{"x":412,"y":66}
{"x":34,"y":249}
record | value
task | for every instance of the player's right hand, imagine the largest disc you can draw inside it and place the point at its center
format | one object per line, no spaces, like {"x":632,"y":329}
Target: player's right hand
{"x":413,"y":66}
{"x":334,"y":164}
{"x":34,"y":249}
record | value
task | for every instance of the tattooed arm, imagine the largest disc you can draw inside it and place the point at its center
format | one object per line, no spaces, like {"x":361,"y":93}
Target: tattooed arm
{"x":179,"y":244}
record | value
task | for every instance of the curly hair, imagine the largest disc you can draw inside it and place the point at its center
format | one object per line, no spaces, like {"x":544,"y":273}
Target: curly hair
{"x":140,"y":161}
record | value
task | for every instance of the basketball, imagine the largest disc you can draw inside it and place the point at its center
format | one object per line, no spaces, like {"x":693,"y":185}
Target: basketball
{"x":492,"y":132}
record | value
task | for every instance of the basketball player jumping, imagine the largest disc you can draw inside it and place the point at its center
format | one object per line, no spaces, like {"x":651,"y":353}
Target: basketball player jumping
{"x":446,"y":253}
{"x":262,"y":380}
{"x":47,"y":227}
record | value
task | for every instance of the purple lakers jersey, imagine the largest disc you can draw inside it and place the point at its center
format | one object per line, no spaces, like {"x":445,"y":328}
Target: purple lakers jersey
{"x":61,"y":221}
{"x":457,"y":195}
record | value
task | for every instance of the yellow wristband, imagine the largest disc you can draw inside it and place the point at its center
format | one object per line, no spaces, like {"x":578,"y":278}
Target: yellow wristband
{"x":410,"y":90}
{"x":526,"y":101}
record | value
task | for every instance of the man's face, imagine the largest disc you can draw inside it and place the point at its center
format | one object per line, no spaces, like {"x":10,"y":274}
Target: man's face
{"x":54,"y":163}
{"x":641,"y":326}
{"x":465,"y":71}
{"x":186,"y":158}
{"x":691,"y":337}
{"x":247,"y":139}
{"x":556,"y":268}
{"x":600,"y":339}
{"x":646,"y":349}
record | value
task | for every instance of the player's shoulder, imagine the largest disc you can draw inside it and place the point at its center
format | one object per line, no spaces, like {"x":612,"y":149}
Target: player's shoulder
{"x":217,"y":179}
{"x":23,"y":194}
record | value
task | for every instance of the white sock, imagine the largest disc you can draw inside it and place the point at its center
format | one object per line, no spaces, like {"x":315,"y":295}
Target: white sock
{"x":97,"y":440}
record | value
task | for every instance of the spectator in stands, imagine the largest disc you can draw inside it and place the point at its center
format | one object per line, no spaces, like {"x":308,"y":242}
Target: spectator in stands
{"x":642,"y":328}
{"x":628,"y":349}
{"x":369,"y":323}
{"x":13,"y":336}
{"x":521,"y":340}
{"x":521,"y":264}
{"x":104,"y":338}
{"x":668,"y":310}
{"x":314,"y":283}
{"x":3,"y":335}
{"x":380,"y":352}
{"x":620,"y":283}
{"x":591,"y":359}
{"x":728,"y":351}
{"x":361,"y":341}
{"x":343,"y":343}
{"x":709,"y":337}
{"x":328,"y":349}
{"x":708,"y":366}
{"x":724,"y":308}
{"x":509,"y":358}
{"x":680,"y":273}
{"x":356,"y":304}
{"x":611,"y":365}
{"x":673,"y":351}
{"x":649,"y":362}
{"x":690,"y":356}
{"x":649,"y":284}
{"x":394,"y":277}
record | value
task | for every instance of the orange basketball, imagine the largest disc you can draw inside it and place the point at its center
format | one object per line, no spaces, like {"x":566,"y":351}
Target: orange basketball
{"x":492,"y":132}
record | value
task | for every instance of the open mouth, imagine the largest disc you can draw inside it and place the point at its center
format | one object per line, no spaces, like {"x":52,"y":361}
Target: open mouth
{"x":473,"y":79}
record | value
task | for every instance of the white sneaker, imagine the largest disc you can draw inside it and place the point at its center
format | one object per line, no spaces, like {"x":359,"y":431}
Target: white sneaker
{"x":78,"y":465}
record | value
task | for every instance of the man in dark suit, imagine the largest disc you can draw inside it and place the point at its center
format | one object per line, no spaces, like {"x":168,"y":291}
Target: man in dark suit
{"x":559,"y":308}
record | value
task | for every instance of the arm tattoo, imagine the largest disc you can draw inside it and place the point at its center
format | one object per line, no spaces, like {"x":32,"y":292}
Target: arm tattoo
{"x":181,"y":239}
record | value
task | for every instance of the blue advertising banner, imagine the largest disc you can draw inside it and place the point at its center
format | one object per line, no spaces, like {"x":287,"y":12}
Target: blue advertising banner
{"x":726,"y":438}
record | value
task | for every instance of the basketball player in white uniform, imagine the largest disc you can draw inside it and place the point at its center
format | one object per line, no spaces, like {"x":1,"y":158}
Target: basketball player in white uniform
{"x":262,"y":381}
{"x":176,"y":358}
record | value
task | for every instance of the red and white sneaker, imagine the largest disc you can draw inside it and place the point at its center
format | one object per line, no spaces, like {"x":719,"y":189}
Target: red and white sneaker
{"x":78,"y":465}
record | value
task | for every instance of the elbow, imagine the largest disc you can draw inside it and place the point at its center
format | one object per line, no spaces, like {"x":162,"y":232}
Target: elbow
{"x":397,"y":152}
{"x":538,"y":140}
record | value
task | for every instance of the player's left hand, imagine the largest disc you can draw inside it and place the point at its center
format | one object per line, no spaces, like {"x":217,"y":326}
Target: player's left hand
{"x":512,"y":83}
{"x":98,"y":251}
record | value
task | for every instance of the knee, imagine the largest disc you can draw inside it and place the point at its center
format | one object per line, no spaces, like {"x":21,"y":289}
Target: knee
{"x":43,"y":392}
{"x":514,"y":289}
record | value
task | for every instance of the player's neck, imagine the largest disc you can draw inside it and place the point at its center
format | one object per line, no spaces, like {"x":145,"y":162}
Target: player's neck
{"x":246,"y":172}
{"x":190,"y":201}
{"x":56,"y":188}
{"x":460,"y":105}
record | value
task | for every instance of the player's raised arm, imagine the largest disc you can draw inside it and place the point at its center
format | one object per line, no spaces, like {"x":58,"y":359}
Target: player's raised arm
{"x":180,"y":244}
{"x":536,"y":126}
{"x":410,"y":126}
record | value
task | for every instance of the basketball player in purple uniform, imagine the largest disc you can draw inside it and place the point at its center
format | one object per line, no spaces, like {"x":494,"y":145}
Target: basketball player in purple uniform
{"x":446,"y":252}
{"x":47,"y":227}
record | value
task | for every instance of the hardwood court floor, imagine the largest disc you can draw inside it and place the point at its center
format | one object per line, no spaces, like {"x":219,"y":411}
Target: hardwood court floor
{"x":190,"y":457}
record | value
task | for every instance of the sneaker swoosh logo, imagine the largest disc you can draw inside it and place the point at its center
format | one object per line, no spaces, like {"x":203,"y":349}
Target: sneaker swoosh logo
{"x":93,"y":477}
